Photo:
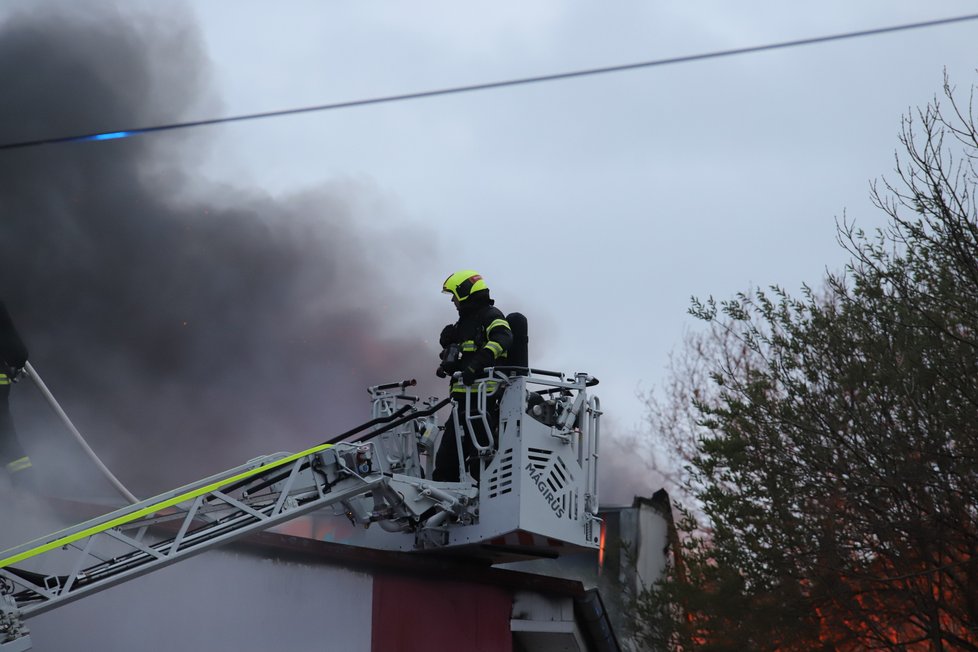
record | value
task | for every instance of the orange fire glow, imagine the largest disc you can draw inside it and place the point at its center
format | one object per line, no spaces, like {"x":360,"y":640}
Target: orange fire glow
{"x":601,"y":548}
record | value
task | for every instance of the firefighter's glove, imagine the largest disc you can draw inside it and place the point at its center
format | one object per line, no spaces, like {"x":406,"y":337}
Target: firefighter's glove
{"x":447,"y":368}
{"x":447,"y":336}
{"x":469,"y":374}
{"x":476,"y":367}
{"x":17,"y":375}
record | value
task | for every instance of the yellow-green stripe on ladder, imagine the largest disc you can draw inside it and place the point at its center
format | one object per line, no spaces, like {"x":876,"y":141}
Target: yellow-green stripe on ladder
{"x":151,"y":509}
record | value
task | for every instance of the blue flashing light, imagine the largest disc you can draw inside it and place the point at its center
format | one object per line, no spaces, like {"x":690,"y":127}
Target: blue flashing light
{"x":111,"y":136}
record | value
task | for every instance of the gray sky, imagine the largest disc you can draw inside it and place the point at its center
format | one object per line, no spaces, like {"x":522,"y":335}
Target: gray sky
{"x":595,"y":206}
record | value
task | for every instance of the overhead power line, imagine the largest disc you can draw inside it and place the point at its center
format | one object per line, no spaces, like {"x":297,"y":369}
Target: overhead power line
{"x":111,"y":135}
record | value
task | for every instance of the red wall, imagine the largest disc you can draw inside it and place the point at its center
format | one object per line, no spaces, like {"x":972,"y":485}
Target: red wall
{"x":412,"y":615}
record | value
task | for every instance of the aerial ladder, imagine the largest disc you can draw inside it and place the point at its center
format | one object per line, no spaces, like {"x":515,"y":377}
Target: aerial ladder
{"x":537,"y":494}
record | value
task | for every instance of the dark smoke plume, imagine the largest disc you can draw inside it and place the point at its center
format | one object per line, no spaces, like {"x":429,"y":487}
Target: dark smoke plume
{"x":180,"y":334}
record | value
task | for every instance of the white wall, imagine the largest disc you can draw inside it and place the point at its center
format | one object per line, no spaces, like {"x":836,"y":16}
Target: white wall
{"x":653,"y":533}
{"x":218,"y":601}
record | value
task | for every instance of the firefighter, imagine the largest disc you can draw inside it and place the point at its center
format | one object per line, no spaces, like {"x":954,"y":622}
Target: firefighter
{"x":480,"y":338}
{"x":13,"y":356}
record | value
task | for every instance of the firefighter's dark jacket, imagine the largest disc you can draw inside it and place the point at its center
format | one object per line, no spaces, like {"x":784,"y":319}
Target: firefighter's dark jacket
{"x":482,"y":334}
{"x":13,"y":353}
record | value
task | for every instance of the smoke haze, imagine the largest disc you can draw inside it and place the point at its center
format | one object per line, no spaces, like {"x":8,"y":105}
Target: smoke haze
{"x":181,"y":325}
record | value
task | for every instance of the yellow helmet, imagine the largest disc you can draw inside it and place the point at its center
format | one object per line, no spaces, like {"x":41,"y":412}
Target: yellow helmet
{"x":462,"y":284}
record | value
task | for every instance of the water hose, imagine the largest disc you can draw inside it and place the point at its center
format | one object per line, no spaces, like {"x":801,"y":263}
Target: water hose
{"x":77,"y":435}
